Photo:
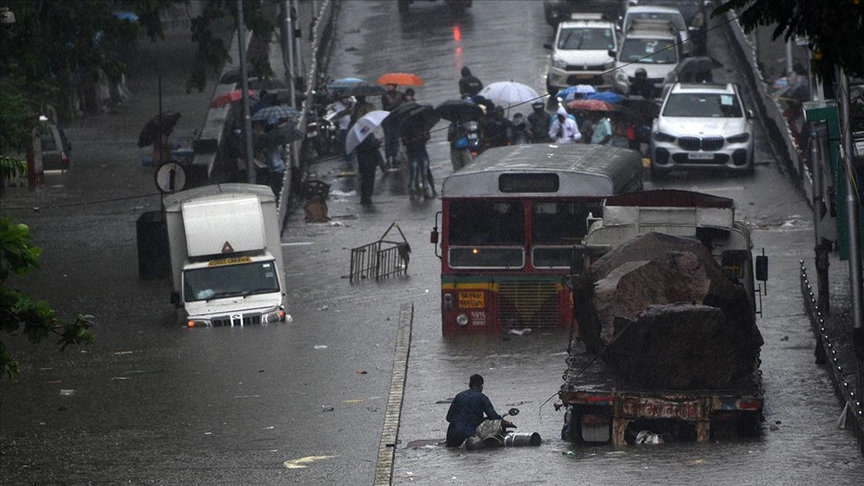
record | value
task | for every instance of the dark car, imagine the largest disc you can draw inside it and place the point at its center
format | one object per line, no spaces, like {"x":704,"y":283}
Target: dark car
{"x":556,"y":11}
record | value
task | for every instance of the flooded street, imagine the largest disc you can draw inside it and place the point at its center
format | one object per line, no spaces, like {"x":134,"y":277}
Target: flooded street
{"x":304,"y":402}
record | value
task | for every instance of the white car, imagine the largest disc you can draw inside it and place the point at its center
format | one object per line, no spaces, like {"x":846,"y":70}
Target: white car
{"x":580,"y":54}
{"x":666,"y":14}
{"x":702,"y":126}
{"x":651,"y":45}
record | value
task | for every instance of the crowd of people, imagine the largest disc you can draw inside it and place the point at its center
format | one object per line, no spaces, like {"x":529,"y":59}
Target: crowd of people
{"x":467,"y":138}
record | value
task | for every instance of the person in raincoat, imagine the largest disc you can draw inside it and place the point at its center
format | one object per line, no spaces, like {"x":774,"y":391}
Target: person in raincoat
{"x":564,"y":129}
{"x":468,"y":83}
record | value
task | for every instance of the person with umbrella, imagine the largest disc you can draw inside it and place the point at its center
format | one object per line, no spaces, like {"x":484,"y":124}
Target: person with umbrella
{"x":539,"y":121}
{"x":391,"y":100}
{"x":272,"y":145}
{"x":415,"y":137}
{"x":368,"y":158}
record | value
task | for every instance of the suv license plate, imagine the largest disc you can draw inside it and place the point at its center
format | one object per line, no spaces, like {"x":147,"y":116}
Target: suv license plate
{"x":702,"y":156}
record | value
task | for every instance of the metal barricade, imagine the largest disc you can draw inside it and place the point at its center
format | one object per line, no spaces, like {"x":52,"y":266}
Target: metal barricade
{"x":380,"y":259}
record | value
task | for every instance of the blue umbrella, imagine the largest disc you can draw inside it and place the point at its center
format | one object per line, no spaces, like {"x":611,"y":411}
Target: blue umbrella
{"x":344,"y":83}
{"x":607,"y":96}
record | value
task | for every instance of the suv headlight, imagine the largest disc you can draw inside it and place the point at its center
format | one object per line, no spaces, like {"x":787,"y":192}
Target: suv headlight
{"x":559,"y":63}
{"x":663,"y":137}
{"x":740,"y":138}
{"x":274,"y":316}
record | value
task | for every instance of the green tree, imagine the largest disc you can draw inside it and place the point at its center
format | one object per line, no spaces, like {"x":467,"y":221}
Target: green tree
{"x":20,"y":315}
{"x":833,"y":28}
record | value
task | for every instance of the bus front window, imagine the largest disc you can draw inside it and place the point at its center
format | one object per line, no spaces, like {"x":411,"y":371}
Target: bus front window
{"x":558,"y":226}
{"x":477,"y":222}
{"x":486,"y":234}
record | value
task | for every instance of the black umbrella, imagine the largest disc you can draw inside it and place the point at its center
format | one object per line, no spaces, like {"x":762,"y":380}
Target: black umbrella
{"x":462,"y":110}
{"x":647,"y":109}
{"x":159,"y":124}
{"x":419,"y":115}
{"x":696,"y":69}
{"x":798,"y":92}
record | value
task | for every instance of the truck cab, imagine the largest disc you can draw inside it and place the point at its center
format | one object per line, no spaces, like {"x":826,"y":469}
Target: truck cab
{"x":226,"y":256}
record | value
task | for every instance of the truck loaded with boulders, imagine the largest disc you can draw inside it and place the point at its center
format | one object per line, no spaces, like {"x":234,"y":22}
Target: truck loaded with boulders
{"x":666,"y":345}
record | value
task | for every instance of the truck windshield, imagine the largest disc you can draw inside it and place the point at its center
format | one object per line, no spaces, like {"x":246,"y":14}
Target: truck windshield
{"x":229,"y":280}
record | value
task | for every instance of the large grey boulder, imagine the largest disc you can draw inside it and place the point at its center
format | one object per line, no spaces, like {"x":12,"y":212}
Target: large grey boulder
{"x":661,"y":309}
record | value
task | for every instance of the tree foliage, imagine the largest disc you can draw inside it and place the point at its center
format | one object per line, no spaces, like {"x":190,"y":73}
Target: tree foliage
{"x":834,"y":29}
{"x":56,"y":47}
{"x":20,"y":315}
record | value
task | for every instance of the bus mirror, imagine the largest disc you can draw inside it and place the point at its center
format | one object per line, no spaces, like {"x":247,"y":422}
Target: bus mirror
{"x":433,"y":237}
{"x":762,"y":268}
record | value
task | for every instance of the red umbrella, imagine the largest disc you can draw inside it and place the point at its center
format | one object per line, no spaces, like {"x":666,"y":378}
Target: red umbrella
{"x":400,"y":79}
{"x":229,"y":97}
{"x":590,"y":105}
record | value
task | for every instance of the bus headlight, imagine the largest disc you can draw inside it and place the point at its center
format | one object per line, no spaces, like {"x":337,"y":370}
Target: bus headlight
{"x":462,"y":320}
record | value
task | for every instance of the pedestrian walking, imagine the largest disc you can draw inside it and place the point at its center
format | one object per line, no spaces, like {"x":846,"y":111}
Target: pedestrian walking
{"x":368,"y":159}
{"x":343,"y":109}
{"x":391,"y":100}
{"x":602,"y":128}
{"x":415,"y":138}
{"x":564,"y":128}
{"x":498,"y":130}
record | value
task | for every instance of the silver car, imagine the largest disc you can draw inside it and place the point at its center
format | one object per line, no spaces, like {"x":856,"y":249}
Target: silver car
{"x":702,"y":126}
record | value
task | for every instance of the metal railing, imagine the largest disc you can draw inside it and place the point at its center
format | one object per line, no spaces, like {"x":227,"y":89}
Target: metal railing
{"x":380,"y":259}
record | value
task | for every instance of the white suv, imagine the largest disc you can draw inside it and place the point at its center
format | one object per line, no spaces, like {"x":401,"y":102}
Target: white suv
{"x":702,"y":126}
{"x":580,"y":54}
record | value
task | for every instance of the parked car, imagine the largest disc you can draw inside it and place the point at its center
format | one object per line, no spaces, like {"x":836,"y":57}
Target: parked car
{"x":55,"y":146}
{"x":696,"y":14}
{"x":702,"y":126}
{"x":667,"y":14}
{"x":580,"y":54}
{"x":649,"y":44}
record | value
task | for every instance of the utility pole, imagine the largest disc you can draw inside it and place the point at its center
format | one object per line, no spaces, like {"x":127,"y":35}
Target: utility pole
{"x":288,"y":51}
{"x":244,"y":85}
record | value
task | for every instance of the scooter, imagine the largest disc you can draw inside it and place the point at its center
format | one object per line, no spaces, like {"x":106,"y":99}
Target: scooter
{"x":475,"y":144}
{"x":493,"y":433}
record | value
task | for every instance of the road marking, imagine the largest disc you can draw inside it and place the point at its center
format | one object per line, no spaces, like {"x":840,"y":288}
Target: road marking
{"x":299,"y":243}
{"x":390,"y":433}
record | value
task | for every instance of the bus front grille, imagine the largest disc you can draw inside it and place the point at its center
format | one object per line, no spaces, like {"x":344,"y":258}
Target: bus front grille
{"x":527,"y":303}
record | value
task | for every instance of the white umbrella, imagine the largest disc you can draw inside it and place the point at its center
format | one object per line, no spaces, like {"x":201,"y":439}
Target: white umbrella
{"x":367,"y":124}
{"x":509,"y":93}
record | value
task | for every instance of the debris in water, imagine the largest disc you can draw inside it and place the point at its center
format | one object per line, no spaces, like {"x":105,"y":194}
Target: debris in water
{"x":325,"y":408}
{"x":361,"y":372}
{"x":67,"y":393}
{"x":520,"y":332}
{"x":303,"y":461}
{"x":320,"y":346}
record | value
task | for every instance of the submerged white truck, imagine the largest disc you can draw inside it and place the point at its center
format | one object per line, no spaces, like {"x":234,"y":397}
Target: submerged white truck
{"x":226,"y":256}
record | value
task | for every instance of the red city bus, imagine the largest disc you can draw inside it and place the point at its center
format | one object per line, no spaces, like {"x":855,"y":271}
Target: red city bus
{"x":511,"y":224}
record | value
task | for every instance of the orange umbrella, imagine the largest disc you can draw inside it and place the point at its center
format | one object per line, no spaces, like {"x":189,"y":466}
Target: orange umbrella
{"x":400,"y":79}
{"x":229,"y":97}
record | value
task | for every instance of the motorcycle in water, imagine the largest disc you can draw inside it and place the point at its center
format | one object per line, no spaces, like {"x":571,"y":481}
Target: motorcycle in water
{"x":322,"y":131}
{"x":493,"y":433}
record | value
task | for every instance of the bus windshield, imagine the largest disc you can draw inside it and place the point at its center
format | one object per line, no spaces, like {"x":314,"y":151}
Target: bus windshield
{"x":483,"y":222}
{"x":214,"y":282}
{"x":562,"y":222}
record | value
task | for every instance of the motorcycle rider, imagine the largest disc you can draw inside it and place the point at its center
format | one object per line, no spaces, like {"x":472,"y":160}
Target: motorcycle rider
{"x":642,"y":86}
{"x":539,"y":121}
{"x":469,"y":84}
{"x":467,"y":412}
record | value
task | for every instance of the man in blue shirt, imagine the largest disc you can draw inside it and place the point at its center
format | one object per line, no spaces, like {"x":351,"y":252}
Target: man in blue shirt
{"x":467,"y":412}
